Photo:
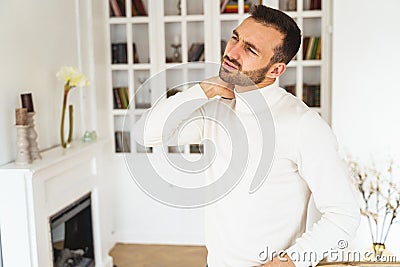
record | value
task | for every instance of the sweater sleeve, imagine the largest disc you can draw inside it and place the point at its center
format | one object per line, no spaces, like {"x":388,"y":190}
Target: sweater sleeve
{"x":325,"y":173}
{"x":177,"y":120}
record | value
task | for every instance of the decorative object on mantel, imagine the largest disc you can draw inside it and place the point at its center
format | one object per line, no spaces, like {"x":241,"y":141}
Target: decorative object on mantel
{"x":72,"y":78}
{"x":27,"y":102}
{"x":89,"y":136}
{"x":379,"y":187}
{"x":21,"y":123}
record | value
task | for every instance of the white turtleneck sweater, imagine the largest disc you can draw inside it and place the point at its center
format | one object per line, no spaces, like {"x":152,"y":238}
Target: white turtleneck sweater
{"x":242,"y":229}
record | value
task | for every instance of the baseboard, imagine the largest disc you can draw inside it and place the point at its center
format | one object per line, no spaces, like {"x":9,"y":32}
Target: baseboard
{"x":107,"y":262}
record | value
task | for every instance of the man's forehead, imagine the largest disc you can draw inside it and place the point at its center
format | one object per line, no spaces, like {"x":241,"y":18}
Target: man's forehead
{"x":259,"y":33}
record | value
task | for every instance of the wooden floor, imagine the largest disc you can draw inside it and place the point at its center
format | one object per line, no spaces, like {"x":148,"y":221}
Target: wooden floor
{"x":138,"y":255}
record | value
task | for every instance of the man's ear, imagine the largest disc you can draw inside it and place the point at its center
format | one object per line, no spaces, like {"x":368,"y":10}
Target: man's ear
{"x":276,"y":70}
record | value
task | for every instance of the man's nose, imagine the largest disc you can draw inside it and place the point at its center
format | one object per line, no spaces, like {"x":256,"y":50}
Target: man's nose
{"x":234,"y":51}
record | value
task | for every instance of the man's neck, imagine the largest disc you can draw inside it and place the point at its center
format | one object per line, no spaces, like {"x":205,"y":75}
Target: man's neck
{"x":265,"y":83}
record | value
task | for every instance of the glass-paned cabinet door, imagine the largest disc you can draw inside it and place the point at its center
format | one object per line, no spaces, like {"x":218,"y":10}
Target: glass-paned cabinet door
{"x":288,"y":5}
{"x":195,"y":41}
{"x":139,"y":148}
{"x":140,"y":43}
{"x":311,"y":86}
{"x":120,"y":89}
{"x":194,"y":7}
{"x":175,"y":81}
{"x":172,"y":7}
{"x":122,"y":134}
{"x":288,"y":81}
{"x":312,"y":41}
{"x":183,"y":7}
{"x":142,"y":89}
{"x":119,"y":50}
{"x":173,"y":42}
{"x":195,"y":76}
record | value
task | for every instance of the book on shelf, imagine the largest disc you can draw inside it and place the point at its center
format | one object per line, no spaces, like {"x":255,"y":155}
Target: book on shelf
{"x":291,"y":5}
{"x":119,"y":53}
{"x":318,"y":52}
{"x":291,"y":88}
{"x":222,"y":5}
{"x":135,"y":54}
{"x":138,"y":8}
{"x":122,"y":141}
{"x":231,"y":6}
{"x":117,"y":8}
{"x":176,"y":149}
{"x":234,"y":8}
{"x":312,"y":95}
{"x":121,"y":98}
{"x":202,"y":56}
{"x":195,"y":52}
{"x":315,"y":5}
{"x":196,"y":148}
{"x":117,"y":102}
{"x":312,"y":47}
{"x":306,"y":43}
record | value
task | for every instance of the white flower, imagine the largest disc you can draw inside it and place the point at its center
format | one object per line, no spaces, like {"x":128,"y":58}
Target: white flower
{"x":72,"y":77}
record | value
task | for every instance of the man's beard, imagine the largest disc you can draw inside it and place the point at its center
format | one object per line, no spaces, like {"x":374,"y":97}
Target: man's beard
{"x":239,"y":77}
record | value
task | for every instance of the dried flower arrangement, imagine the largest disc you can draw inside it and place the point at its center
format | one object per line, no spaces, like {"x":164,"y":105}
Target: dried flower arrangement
{"x":379,"y":187}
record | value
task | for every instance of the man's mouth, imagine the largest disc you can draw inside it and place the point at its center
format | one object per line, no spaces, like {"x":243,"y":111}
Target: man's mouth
{"x":229,"y":66}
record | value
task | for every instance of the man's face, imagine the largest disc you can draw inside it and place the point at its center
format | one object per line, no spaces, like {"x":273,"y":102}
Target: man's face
{"x":247,"y":56}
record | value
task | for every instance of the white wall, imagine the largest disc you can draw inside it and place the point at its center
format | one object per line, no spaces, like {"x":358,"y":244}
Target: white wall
{"x":37,"y":39}
{"x":366,"y":89}
{"x":1,"y":257}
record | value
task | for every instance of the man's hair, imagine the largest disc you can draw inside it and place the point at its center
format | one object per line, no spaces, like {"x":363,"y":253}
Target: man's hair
{"x":284,"y":24}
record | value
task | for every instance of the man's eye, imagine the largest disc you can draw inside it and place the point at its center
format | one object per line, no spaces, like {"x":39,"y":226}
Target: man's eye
{"x":252,"y":51}
{"x":234,"y":37}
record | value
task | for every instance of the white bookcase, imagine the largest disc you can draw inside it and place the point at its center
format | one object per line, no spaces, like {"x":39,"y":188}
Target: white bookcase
{"x":198,"y":21}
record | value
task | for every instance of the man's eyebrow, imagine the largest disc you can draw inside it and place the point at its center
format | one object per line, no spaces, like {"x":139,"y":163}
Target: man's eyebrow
{"x":235,"y":32}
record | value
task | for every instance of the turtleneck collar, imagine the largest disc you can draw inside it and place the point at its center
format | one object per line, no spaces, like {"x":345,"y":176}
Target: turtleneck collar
{"x":258,"y":100}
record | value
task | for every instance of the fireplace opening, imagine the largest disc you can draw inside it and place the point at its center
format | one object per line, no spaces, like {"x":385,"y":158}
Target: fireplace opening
{"x":72,"y":235}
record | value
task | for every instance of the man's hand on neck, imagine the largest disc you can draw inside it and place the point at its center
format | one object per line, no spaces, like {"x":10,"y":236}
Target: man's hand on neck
{"x":215,"y":86}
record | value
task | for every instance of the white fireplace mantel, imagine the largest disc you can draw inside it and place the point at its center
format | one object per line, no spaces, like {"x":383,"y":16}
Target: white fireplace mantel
{"x":31,"y":194}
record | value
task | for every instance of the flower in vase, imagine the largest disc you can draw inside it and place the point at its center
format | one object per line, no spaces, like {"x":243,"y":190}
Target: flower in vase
{"x":379,"y":189}
{"x":72,"y":78}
